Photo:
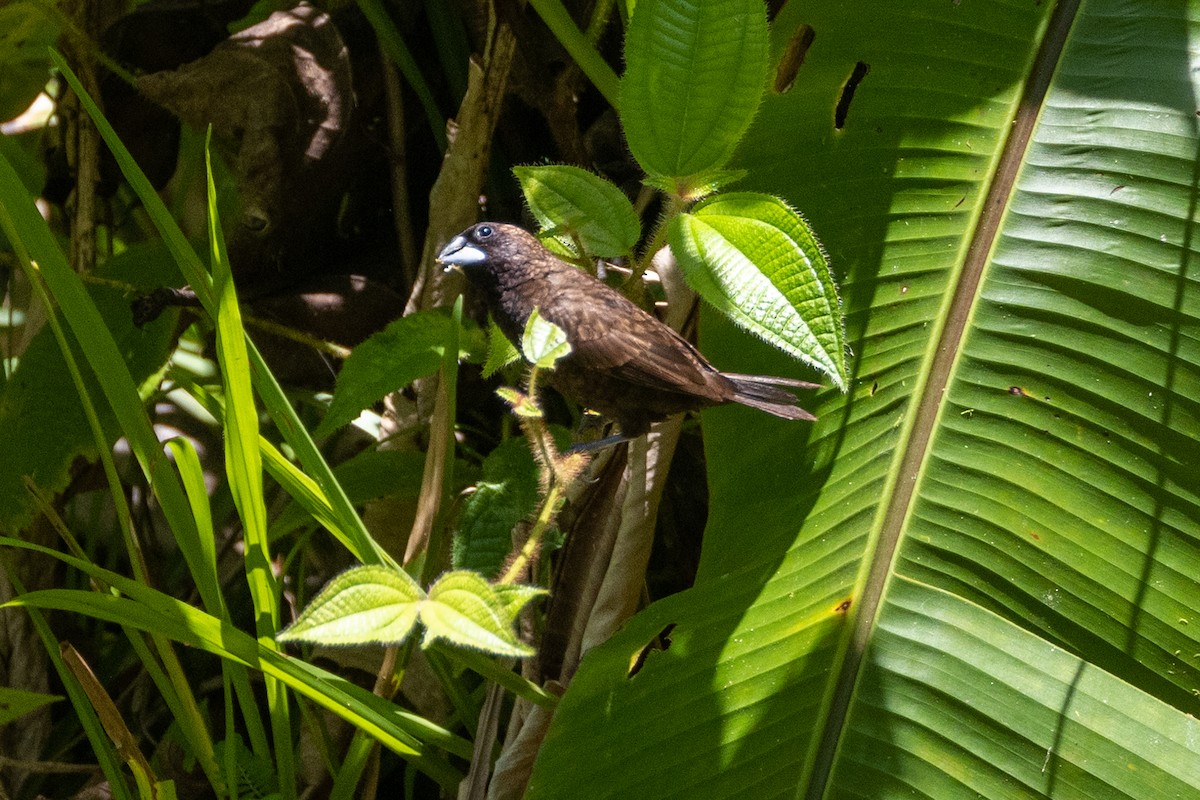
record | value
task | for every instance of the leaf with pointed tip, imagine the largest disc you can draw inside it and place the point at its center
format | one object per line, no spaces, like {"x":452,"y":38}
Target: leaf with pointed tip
{"x":465,"y":610}
{"x":757,"y":261}
{"x":16,"y":703}
{"x":409,"y":348}
{"x":695,"y":72}
{"x":506,"y":493}
{"x":364,"y":605}
{"x":544,"y":342}
{"x":515,"y":596}
{"x":500,"y":351}
{"x":698,"y":186}
{"x":573,"y":204}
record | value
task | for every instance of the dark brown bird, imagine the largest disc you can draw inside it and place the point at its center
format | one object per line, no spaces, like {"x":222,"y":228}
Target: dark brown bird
{"x":624,"y":362}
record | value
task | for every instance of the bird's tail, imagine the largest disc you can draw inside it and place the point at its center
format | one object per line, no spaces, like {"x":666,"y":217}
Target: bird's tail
{"x":766,"y":394}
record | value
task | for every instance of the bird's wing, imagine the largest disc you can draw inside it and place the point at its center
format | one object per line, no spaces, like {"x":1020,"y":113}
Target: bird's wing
{"x":612,"y":335}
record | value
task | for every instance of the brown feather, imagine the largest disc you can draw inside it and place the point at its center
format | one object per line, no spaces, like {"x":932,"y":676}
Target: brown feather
{"x":625,"y":363}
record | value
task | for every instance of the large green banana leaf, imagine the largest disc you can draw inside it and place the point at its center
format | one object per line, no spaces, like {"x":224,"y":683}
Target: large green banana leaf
{"x":978,"y":574}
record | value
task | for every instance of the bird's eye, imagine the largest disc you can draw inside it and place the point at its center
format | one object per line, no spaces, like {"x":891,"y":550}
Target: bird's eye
{"x":484,"y":231}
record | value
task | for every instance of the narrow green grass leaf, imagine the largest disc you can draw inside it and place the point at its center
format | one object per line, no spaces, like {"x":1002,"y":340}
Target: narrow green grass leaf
{"x":486,"y":666}
{"x":237,"y":678}
{"x":243,"y":464}
{"x":147,"y":609}
{"x":30,"y":235}
{"x":393,"y":45}
{"x":294,"y":433}
{"x":187,"y":462}
{"x":696,"y":70}
{"x":308,"y":495}
{"x":102,"y":747}
{"x":393,"y":727}
{"x":575,"y":205}
{"x":757,"y":261}
{"x":589,"y":60}
{"x":370,"y":475}
{"x":16,"y":703}
{"x":353,"y":533}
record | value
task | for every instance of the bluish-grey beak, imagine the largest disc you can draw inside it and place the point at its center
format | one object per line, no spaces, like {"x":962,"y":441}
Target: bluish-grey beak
{"x":460,"y":253}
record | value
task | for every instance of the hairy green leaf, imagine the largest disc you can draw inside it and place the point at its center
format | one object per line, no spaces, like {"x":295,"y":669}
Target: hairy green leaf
{"x":506,"y":493}
{"x":574,"y":205}
{"x":465,"y":610}
{"x":757,"y":261}
{"x":500,"y":351}
{"x":382,"y":605}
{"x":695,"y":72}
{"x":544,"y":342}
{"x":364,"y":605}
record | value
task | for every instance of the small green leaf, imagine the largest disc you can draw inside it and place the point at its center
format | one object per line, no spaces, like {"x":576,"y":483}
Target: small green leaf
{"x":500,"y":351}
{"x":573,"y":204}
{"x":16,"y":703}
{"x":510,"y":395}
{"x":256,"y":776}
{"x":506,"y":493}
{"x":465,"y":610}
{"x":544,"y":342}
{"x":696,"y":70}
{"x":515,"y":596}
{"x":364,"y":605}
{"x":409,"y":348}
{"x":757,"y":261}
{"x":522,"y":404}
{"x":26,"y":30}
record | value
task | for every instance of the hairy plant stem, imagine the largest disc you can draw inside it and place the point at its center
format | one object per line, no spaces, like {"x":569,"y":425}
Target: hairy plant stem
{"x":558,"y":472}
{"x":550,"y":506}
{"x":675,"y":206}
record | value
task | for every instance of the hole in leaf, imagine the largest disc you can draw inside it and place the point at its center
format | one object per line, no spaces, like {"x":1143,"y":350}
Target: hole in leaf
{"x":793,"y":57}
{"x":843,"y":105}
{"x":775,"y":6}
{"x":661,"y":642}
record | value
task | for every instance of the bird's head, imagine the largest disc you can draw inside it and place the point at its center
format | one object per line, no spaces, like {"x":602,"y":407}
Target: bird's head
{"x":484,"y":247}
